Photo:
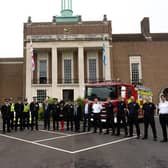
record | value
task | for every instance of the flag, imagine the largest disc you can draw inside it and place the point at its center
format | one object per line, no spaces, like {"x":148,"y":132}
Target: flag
{"x":104,"y":55}
{"x":32,"y":55}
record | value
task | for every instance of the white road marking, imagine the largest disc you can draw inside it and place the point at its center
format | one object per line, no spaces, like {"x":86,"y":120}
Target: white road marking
{"x":105,"y":144}
{"x":54,"y":132}
{"x":60,"y":137}
{"x":34,"y":143}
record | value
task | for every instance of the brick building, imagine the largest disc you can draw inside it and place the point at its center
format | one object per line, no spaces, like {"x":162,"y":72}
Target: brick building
{"x":68,"y":54}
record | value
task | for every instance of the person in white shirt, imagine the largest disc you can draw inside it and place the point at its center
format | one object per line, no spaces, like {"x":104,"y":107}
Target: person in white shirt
{"x":96,"y":109}
{"x":163,"y":116}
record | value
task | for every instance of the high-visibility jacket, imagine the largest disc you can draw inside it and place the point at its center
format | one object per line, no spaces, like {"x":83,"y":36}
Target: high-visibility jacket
{"x":12,"y":107}
{"x":26,"y":108}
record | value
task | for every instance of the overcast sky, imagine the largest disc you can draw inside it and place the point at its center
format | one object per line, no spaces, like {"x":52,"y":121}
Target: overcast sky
{"x":124,"y":14}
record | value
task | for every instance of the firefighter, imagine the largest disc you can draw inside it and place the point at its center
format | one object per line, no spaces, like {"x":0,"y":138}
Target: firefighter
{"x":26,"y":116}
{"x":133,"y":108}
{"x":69,"y":115}
{"x":12,"y":111}
{"x":19,"y":107}
{"x":46,"y":110}
{"x":110,"y":117}
{"x":149,"y":112}
{"x":96,"y":109}
{"x":77,"y":115}
{"x":121,"y":115}
{"x":62,"y":114}
{"x":5,"y":110}
{"x":34,"y":108}
{"x":86,"y":118}
{"x":55,"y":113}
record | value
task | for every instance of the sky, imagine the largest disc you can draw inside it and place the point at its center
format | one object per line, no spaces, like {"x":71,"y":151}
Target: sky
{"x":124,"y":14}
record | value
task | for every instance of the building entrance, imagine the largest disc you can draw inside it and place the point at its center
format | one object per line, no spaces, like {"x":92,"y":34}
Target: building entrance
{"x":68,"y":95}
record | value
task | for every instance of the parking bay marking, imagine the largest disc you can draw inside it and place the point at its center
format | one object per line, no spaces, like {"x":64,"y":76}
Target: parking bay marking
{"x":60,"y":137}
{"x":66,"y":151}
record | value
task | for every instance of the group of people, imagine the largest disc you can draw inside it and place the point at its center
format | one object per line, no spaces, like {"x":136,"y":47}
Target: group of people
{"x":25,"y":115}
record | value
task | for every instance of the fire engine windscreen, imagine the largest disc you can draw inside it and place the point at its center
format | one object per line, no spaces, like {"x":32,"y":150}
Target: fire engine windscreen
{"x":101,"y":92}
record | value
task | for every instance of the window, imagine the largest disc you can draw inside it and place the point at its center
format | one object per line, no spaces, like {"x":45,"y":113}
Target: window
{"x":92,"y":69}
{"x":67,"y":71}
{"x":43,"y":71}
{"x":135,"y":70}
{"x":41,"y":95}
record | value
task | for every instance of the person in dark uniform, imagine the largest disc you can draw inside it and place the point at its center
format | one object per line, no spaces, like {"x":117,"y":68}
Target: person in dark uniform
{"x":86,"y":117}
{"x":19,"y":107}
{"x":163,"y":117}
{"x":12,"y":111}
{"x":5,"y":110}
{"x":121,"y":115}
{"x":133,"y":109}
{"x":26,"y":116}
{"x":77,"y":116}
{"x":55,"y":113}
{"x":149,"y":112}
{"x":110,"y":117}
{"x":34,"y":108}
{"x":62,"y":114}
{"x":69,"y":115}
{"x":46,"y":110}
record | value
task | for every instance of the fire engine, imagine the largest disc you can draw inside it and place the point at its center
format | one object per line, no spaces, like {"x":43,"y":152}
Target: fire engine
{"x":112,"y":89}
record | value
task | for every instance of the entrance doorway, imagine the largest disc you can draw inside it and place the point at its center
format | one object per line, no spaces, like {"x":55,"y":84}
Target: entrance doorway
{"x":68,"y":95}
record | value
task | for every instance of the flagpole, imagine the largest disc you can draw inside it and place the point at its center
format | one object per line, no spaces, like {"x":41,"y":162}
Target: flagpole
{"x":104,"y":59}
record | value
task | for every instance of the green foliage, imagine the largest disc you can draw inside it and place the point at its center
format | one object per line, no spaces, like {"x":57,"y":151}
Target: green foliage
{"x":81,"y":102}
{"x":40,"y":112}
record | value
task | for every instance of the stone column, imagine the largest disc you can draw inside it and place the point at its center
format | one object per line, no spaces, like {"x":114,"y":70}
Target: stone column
{"x":107,"y":66}
{"x":54,"y":67}
{"x":29,"y":73}
{"x":81,"y":70}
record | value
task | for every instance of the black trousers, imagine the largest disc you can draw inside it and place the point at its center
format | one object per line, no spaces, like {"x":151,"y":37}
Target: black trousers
{"x":110,"y":124}
{"x":132,"y":120}
{"x":149,"y":120}
{"x":55,"y":122}
{"x":11,"y":120}
{"x":26,"y":119}
{"x":6,"y":121}
{"x":34,"y":121}
{"x":77,"y":123}
{"x":124,"y":124}
{"x":163,"y":118}
{"x":19,"y":118}
{"x":47,"y":121}
{"x":96,"y":118}
{"x":70,"y":122}
{"x":86,"y":122}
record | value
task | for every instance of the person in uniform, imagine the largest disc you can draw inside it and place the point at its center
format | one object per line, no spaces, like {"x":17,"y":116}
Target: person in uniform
{"x":133,"y":108}
{"x":77,"y":115}
{"x":12,"y":111}
{"x":110,"y":117}
{"x":163,"y":117}
{"x":86,"y":117}
{"x":34,"y":108}
{"x":5,"y":110}
{"x":69,"y":115}
{"x":149,"y":112}
{"x":121,"y":115}
{"x":62,"y":114}
{"x":96,"y":109}
{"x":55,"y":114}
{"x":46,"y":110}
{"x":19,"y":107}
{"x":26,"y":116}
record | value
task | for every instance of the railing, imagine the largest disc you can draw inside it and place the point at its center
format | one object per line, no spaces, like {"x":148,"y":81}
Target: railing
{"x":68,"y":81}
{"x":42,"y":80}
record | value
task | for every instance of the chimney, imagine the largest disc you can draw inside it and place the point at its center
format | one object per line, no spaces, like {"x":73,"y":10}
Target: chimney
{"x":145,"y":28}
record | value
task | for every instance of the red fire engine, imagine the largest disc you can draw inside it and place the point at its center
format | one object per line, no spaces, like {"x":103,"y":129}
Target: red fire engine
{"x":103,"y":90}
